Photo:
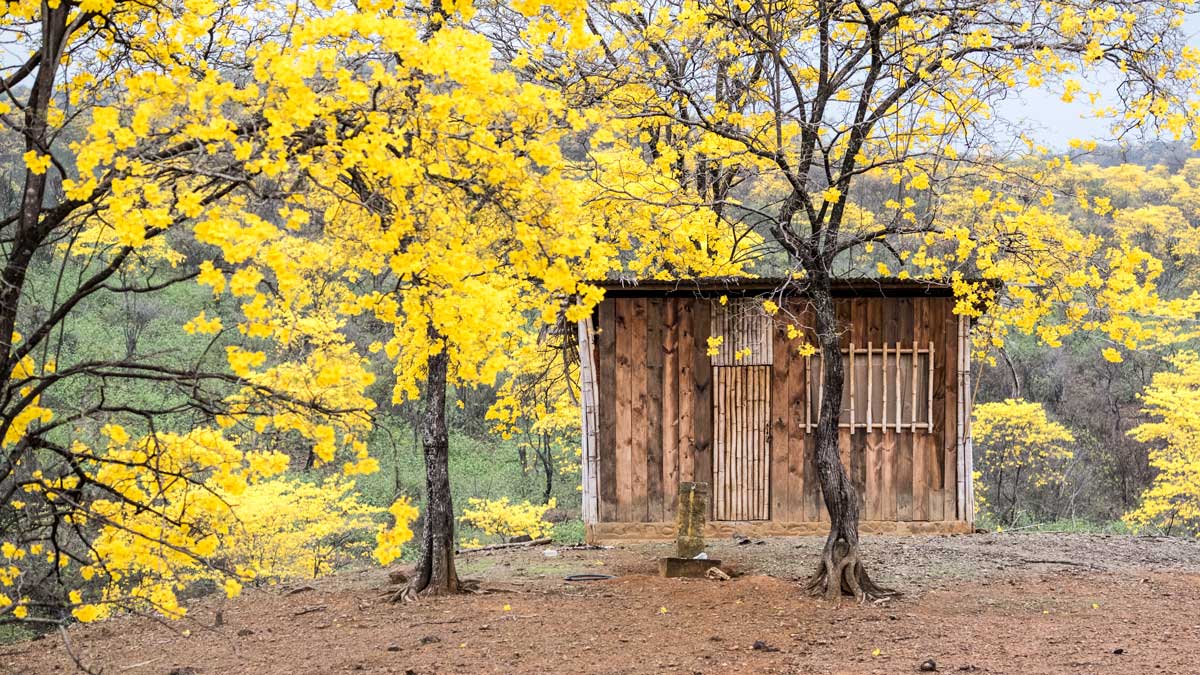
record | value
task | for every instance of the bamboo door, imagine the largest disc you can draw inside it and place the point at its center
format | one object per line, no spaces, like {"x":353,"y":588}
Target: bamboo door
{"x":741,"y":412}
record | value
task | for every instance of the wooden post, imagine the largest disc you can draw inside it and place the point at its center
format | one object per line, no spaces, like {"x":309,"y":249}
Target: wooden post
{"x":968,"y":449}
{"x":590,"y":436}
{"x":851,"y":387}
{"x":689,"y":519}
{"x":807,"y":394}
{"x":929,"y":389}
{"x":884,"y":372}
{"x":870,"y":392}
{"x":912,"y":389}
{"x":899,"y":394}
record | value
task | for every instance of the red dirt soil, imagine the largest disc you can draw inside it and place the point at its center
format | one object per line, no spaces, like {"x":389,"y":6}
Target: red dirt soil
{"x":1057,"y":611}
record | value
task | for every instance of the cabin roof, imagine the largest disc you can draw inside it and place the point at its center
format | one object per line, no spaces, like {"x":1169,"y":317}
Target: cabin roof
{"x":750,"y":286}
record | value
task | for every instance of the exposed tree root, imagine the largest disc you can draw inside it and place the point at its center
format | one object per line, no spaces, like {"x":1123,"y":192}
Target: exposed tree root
{"x":841,"y":572}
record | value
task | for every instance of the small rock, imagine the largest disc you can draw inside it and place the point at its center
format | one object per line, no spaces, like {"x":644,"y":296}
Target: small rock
{"x":430,"y":639}
{"x":183,"y":670}
{"x":244,"y":632}
{"x":1118,"y":651}
{"x":761,"y":646}
{"x":928,"y":666}
{"x":393,"y":648}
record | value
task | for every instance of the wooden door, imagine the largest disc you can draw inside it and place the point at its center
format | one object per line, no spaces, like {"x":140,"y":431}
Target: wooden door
{"x":742,"y":455}
{"x":742,"y":412}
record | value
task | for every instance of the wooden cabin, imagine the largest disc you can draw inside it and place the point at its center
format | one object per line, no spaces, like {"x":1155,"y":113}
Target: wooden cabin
{"x":695,"y":381}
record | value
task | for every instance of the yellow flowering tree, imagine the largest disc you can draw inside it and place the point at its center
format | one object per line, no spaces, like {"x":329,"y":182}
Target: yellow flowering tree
{"x":870,"y":126}
{"x":1021,"y":450}
{"x":502,"y":518}
{"x":454,"y":224}
{"x":157,"y":142}
{"x":1173,"y":399}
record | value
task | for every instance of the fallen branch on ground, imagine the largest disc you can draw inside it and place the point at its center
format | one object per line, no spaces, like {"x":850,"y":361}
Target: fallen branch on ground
{"x":495,"y":547}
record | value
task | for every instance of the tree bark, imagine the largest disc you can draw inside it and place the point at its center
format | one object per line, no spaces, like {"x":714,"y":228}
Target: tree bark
{"x":840,"y":570}
{"x":435,"y":573}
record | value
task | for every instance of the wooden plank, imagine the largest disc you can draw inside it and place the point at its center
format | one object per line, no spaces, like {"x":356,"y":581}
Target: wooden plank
{"x":719,"y":498}
{"x":949,"y":433}
{"x":764,"y":443}
{"x":638,"y":394}
{"x":687,"y":393}
{"x":589,"y":420}
{"x":762,"y":509}
{"x":935,"y":445}
{"x":801,"y":500}
{"x":670,"y":406}
{"x":702,"y":417}
{"x":782,"y":424}
{"x":904,"y":445}
{"x":655,"y":308}
{"x":920,"y":471}
{"x":624,"y":398}
{"x":606,"y":385}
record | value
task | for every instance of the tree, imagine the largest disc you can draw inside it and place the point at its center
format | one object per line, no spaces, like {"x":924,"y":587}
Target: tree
{"x":1173,"y":398}
{"x":150,"y":133}
{"x":1022,"y":450}
{"x":821,"y":100}
{"x":441,"y":210}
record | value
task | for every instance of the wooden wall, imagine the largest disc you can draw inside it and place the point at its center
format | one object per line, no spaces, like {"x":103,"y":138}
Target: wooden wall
{"x":655,"y":384}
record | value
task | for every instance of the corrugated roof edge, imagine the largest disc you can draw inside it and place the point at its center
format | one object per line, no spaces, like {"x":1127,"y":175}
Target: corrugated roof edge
{"x":856,"y":287}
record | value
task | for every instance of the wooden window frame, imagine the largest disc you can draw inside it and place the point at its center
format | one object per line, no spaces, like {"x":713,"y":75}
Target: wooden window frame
{"x":892,"y":411}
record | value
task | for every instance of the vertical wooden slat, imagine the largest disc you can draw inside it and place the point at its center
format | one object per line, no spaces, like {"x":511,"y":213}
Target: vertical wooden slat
{"x":917,"y":428}
{"x":606,"y":384}
{"x":718,"y":417}
{"x":687,"y":394}
{"x":931,"y":442}
{"x":968,"y":455}
{"x":889,"y":334}
{"x":904,"y":444}
{"x":851,"y":394}
{"x":801,"y":504}
{"x":670,"y":408}
{"x":589,"y":421}
{"x":782,"y":425}
{"x":641,"y":403}
{"x":702,"y":417}
{"x":949,"y":430}
{"x":654,"y":408}
{"x":624,"y":397}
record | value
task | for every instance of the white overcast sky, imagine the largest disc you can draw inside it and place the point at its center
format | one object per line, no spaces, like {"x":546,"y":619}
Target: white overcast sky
{"x":1046,"y":118}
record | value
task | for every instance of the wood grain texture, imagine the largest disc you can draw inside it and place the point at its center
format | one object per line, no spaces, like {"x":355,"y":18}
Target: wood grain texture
{"x":659,"y":415}
{"x":702,"y":402}
{"x":624,"y":399}
{"x":655,"y":312}
{"x":638,"y":375}
{"x":687,"y":391}
{"x":670,"y":407}
{"x":742,"y":395}
{"x":606,"y":386}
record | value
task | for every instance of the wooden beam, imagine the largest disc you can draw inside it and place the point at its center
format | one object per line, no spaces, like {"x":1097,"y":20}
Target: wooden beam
{"x":590,"y":429}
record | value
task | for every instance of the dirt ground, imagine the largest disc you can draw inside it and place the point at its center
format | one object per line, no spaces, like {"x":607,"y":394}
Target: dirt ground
{"x":1000,"y":603}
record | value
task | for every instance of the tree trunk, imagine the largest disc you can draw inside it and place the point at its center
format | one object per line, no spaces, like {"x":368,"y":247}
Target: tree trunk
{"x":435,"y":573}
{"x":840,"y":570}
{"x":548,"y":468}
